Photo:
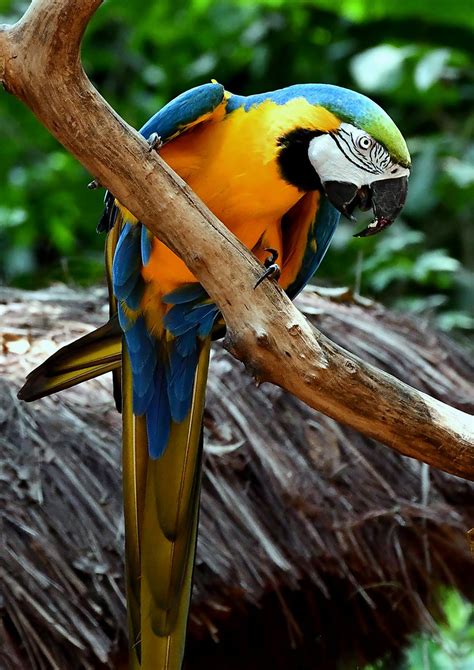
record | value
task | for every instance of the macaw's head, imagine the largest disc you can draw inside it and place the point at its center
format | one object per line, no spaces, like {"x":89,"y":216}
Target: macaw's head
{"x":359,"y":155}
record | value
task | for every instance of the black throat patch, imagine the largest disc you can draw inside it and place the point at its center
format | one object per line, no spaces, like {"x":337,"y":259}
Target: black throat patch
{"x":295,"y":166}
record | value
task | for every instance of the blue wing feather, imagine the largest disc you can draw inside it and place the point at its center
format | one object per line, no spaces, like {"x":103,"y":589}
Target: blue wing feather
{"x":126,"y":263}
{"x":162,"y":372}
{"x":180,"y":382}
{"x":319,"y":238}
{"x":186,"y":343}
{"x":145,"y":244}
{"x":184,"y":110}
{"x":158,"y":416}
{"x":185,"y":322}
{"x":134,"y":296}
{"x":207,"y":322}
{"x":142,"y":350}
{"x":165,"y":379}
{"x":185,"y":294}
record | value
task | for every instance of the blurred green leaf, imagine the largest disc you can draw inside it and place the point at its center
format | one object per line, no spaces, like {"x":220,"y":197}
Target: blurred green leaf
{"x":461,"y":172}
{"x":430,"y":68}
{"x":457,"y":611}
{"x":380,"y":68}
{"x":433,"y":264}
{"x":450,"y":646}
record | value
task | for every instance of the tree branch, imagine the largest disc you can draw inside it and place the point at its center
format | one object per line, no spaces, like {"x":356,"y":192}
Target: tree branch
{"x":40,"y":64}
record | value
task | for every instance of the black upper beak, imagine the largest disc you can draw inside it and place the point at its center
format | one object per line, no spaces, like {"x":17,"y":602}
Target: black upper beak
{"x":386,"y":197}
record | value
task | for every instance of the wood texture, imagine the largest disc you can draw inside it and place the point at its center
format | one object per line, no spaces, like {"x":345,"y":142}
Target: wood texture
{"x":40,"y":64}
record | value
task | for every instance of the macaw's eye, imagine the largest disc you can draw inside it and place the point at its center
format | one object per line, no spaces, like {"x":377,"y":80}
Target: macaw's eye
{"x":364,"y":142}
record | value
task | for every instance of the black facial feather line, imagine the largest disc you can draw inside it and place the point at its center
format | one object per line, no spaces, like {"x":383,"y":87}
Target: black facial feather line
{"x":376,"y":160}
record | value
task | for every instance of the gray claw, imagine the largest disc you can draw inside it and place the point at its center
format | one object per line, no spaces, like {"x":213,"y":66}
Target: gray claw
{"x":154,"y":142}
{"x":272,"y":272}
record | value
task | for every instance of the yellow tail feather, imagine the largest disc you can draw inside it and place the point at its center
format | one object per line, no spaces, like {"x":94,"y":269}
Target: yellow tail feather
{"x":134,"y":469}
{"x":161,"y":499}
{"x":90,"y":356}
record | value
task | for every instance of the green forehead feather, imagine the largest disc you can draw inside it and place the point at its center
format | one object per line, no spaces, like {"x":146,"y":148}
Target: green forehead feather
{"x":364,"y":113}
{"x":381,"y":127}
{"x":348,"y":106}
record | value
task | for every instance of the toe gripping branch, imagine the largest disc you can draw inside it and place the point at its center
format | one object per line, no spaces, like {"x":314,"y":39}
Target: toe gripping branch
{"x":154,"y":142}
{"x":272,"y":269}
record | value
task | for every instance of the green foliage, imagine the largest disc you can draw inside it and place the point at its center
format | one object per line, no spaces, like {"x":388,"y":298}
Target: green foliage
{"x":449,"y":647}
{"x":414,"y":58}
{"x":403,"y":271}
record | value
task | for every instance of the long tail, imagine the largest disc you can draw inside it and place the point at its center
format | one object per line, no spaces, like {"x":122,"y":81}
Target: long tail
{"x":161,"y":499}
{"x":161,"y":496}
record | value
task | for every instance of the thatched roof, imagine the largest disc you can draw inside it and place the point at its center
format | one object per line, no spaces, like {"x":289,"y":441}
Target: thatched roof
{"x":314,"y":542}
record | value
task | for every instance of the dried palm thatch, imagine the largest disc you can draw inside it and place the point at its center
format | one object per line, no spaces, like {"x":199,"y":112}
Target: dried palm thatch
{"x":315,"y":543}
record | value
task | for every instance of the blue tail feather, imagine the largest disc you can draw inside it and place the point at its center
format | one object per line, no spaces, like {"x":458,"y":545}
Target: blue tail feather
{"x":163,"y":372}
{"x":207,"y":323}
{"x":186,"y":343}
{"x":185,"y":294}
{"x":158,"y":416}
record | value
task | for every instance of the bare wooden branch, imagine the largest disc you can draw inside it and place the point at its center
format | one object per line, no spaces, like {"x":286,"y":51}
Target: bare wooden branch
{"x":40,"y":64}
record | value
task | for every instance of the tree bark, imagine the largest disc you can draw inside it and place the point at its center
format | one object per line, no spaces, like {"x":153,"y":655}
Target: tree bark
{"x":40,"y":64}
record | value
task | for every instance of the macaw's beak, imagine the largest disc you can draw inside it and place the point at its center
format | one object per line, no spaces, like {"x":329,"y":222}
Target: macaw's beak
{"x":386,"y":197}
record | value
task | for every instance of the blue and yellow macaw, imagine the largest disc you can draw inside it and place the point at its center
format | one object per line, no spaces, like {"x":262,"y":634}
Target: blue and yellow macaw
{"x":278,"y":169}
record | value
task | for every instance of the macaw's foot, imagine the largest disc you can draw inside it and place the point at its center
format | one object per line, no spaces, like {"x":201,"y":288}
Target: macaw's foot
{"x":154,"y":142}
{"x":94,"y":184}
{"x":272,"y":269}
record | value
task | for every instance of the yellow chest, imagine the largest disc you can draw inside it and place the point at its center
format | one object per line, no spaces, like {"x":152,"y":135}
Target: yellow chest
{"x":231,"y":164}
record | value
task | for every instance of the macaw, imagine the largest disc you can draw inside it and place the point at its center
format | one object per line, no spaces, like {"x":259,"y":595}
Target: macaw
{"x":277,"y":169}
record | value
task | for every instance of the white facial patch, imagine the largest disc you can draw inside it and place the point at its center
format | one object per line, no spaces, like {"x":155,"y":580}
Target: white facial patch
{"x":351,"y":155}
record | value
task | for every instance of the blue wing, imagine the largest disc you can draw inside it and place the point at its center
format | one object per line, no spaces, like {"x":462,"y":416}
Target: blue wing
{"x":319,"y":236}
{"x":163,"y":371}
{"x":183,"y":112}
